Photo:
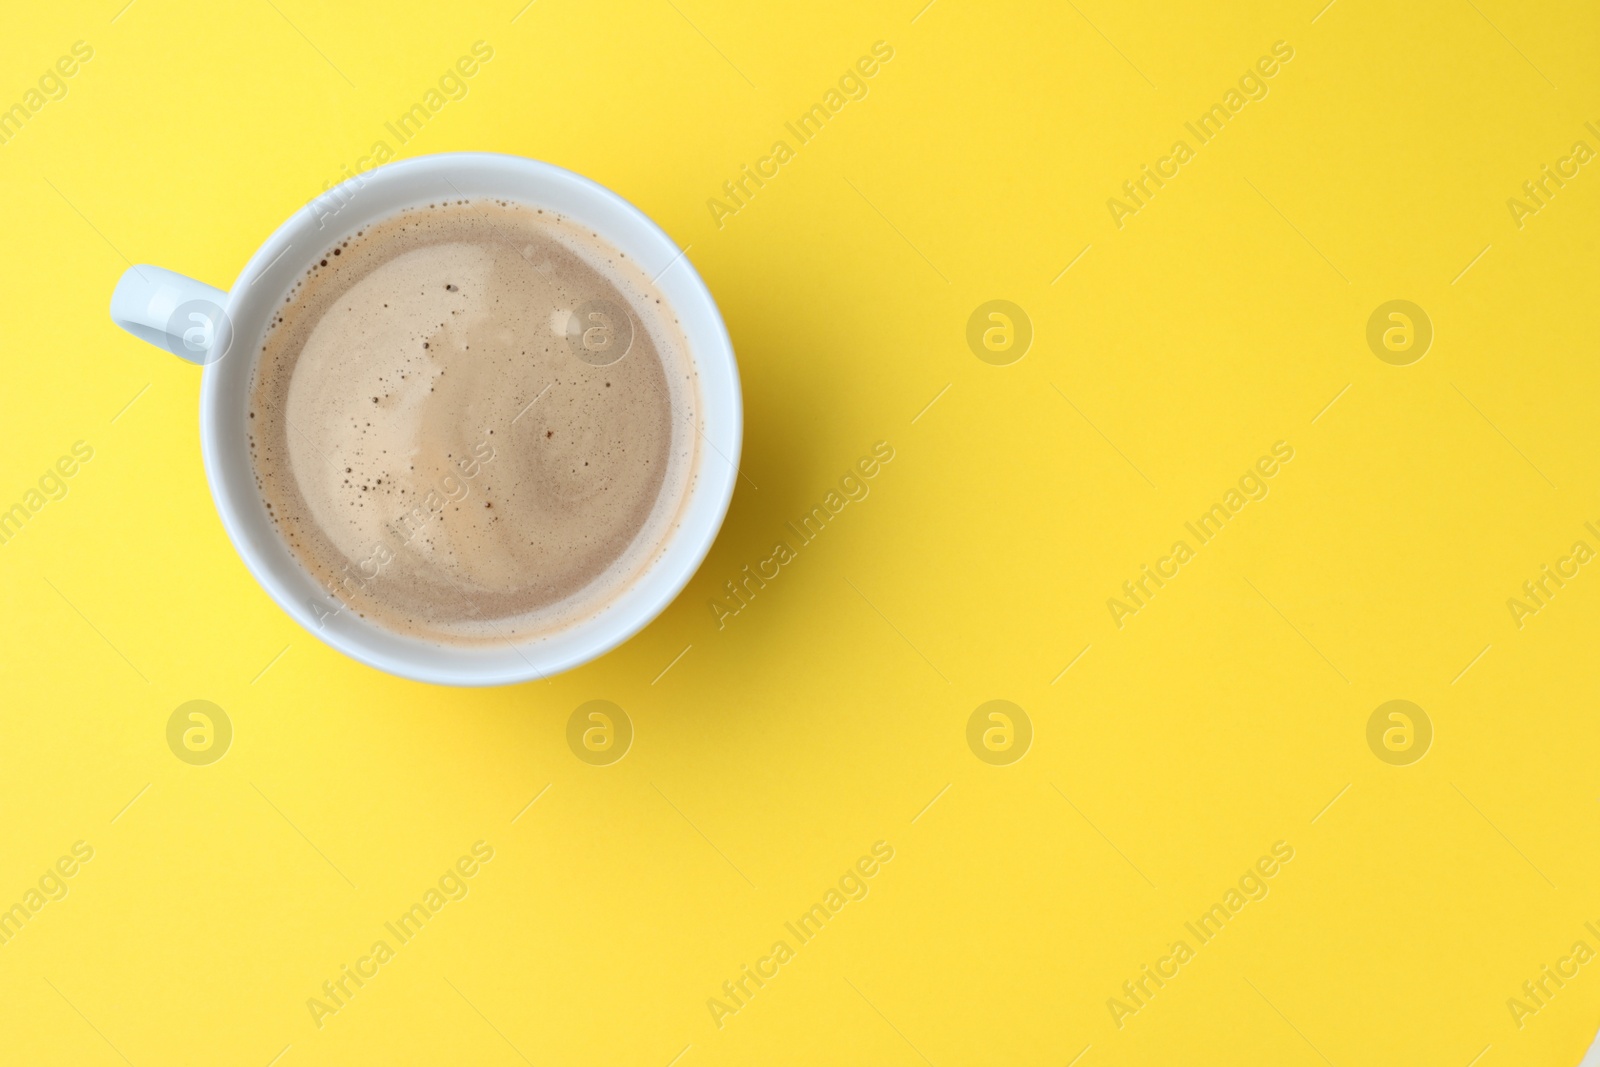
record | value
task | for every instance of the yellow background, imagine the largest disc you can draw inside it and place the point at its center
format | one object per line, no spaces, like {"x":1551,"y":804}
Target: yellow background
{"x":1224,"y":717}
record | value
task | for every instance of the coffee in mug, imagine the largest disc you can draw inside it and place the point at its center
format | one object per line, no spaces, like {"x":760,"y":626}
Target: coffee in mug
{"x":473,"y":420}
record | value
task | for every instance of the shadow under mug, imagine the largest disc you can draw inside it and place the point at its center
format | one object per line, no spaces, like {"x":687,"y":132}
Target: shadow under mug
{"x":222,"y":331}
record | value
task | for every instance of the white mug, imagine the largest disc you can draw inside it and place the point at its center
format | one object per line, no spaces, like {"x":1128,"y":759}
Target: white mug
{"x":223,"y":332}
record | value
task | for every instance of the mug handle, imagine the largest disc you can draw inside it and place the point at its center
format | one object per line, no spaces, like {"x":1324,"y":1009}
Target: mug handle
{"x":169,"y":310}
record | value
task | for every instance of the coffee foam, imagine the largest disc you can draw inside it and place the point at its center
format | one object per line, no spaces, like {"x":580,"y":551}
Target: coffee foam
{"x":442,"y":449}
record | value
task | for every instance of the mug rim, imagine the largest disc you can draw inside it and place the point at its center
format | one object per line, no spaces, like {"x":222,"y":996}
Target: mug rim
{"x":678,"y":556}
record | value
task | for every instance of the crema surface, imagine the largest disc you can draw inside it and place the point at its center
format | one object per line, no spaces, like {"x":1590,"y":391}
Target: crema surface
{"x":473,"y":421}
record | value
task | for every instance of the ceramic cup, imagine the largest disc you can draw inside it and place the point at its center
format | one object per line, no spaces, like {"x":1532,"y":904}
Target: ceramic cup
{"x":222,"y":331}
